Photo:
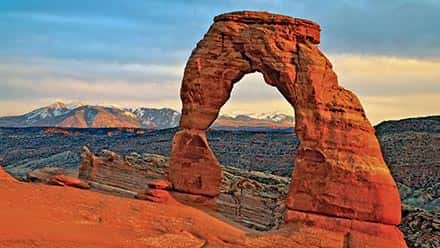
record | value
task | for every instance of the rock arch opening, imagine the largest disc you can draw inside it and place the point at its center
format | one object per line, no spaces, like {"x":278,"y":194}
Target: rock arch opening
{"x":262,"y":123}
{"x":251,"y":96}
{"x":339,"y":168}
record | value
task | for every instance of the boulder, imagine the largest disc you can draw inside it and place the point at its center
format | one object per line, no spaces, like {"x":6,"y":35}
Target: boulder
{"x":157,"y":195}
{"x":160,"y":184}
{"x":62,"y":180}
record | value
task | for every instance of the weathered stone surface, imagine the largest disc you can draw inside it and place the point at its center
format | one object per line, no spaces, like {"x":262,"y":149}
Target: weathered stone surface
{"x":253,"y":199}
{"x":357,"y":233}
{"x":115,"y":174}
{"x":160,"y":184}
{"x":193,"y":166}
{"x":43,"y":175}
{"x":157,"y":195}
{"x":62,"y":180}
{"x":4,"y":176}
{"x":339,"y":169}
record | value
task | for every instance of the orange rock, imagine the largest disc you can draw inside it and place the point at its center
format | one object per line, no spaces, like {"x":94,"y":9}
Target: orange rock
{"x":193,"y":166}
{"x":356,"y":233}
{"x":4,"y":176}
{"x":157,"y":195}
{"x":160,"y":184}
{"x":62,"y":180}
{"x":339,"y":170}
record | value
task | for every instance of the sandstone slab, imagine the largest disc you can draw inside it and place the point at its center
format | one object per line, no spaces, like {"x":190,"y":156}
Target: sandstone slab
{"x":62,"y":180}
{"x":43,"y":175}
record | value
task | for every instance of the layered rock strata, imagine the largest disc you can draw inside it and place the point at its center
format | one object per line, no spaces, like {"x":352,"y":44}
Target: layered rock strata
{"x":339,"y":169}
{"x":253,"y":199}
{"x":113,"y":173}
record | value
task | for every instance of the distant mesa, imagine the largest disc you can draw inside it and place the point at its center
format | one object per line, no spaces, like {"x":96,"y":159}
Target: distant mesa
{"x":82,"y":115}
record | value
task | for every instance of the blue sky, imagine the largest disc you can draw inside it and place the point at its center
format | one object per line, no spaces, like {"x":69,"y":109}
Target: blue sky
{"x":132,"y":53}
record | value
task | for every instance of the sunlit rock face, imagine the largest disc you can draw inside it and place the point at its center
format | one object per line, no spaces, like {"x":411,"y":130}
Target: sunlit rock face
{"x":339,"y":169}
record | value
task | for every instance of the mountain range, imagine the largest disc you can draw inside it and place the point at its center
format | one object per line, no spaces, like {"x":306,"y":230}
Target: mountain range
{"x":81,"y":115}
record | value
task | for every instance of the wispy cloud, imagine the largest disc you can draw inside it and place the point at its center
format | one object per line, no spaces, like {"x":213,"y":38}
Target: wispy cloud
{"x":388,"y":76}
{"x":133,"y":53}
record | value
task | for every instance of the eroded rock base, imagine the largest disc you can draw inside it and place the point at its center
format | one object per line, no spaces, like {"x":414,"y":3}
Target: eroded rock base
{"x":355,"y":233}
{"x":193,"y":166}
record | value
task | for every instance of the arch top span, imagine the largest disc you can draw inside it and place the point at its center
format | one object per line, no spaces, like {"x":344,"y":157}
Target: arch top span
{"x":238,"y":43}
{"x":301,"y":27}
{"x":339,"y":170}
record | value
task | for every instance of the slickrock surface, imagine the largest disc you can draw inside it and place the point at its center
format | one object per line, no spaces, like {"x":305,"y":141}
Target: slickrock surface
{"x":65,"y":217}
{"x":39,"y":215}
{"x":4,"y":176}
{"x":339,"y":168}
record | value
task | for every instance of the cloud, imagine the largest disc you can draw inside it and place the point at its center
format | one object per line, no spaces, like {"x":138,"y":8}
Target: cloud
{"x":37,"y":69}
{"x":387,"y":52}
{"x":166,"y":31}
{"x":388,"y":87}
{"x":46,"y":80}
{"x":370,"y":75}
{"x":380,"y":108}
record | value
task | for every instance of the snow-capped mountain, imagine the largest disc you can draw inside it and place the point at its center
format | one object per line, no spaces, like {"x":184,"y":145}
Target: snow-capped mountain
{"x":164,"y":117}
{"x":254,"y":121}
{"x":82,"y":115}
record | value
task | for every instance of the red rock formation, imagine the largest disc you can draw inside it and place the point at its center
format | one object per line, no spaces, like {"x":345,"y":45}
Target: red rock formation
{"x":43,"y":175}
{"x":356,"y":233}
{"x":63,"y":180}
{"x":339,"y":169}
{"x":160,"y":184}
{"x":157,"y":195}
{"x":157,"y":191}
{"x":113,"y":173}
{"x":194,"y":167}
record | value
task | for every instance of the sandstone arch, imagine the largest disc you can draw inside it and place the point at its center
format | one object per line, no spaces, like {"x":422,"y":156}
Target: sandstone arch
{"x":339,"y":169}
